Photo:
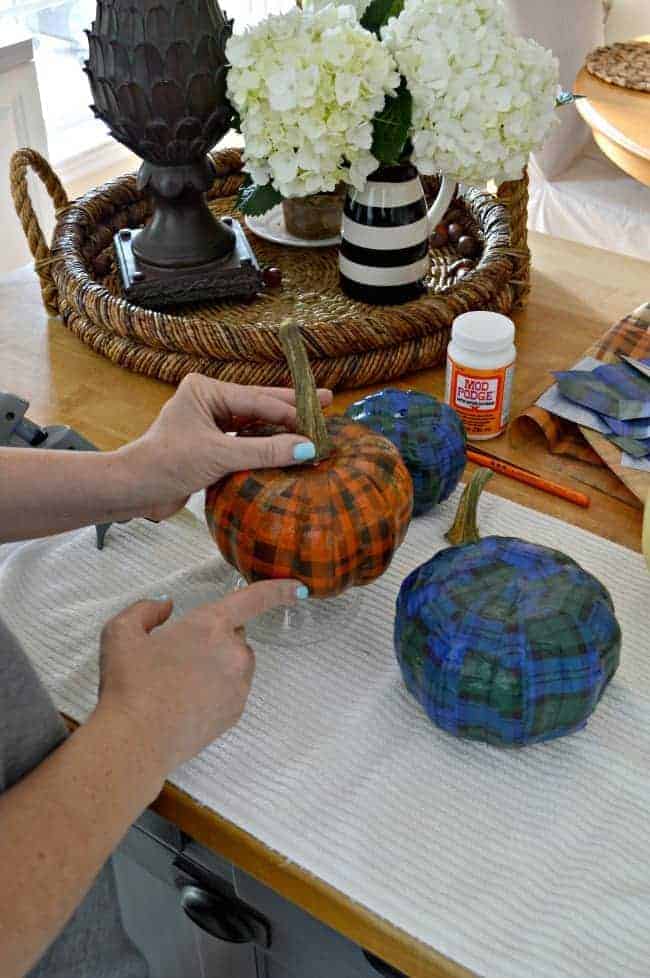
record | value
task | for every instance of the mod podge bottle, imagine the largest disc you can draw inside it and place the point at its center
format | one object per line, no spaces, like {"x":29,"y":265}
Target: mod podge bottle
{"x":480,"y":371}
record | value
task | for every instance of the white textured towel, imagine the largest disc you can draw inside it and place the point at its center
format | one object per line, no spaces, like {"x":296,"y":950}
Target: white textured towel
{"x":518,"y":864}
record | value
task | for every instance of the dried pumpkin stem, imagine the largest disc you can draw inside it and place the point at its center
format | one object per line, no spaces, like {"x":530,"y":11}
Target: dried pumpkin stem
{"x":465,"y":526}
{"x":310,"y":420}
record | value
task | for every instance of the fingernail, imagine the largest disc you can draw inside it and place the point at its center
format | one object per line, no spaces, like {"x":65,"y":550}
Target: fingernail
{"x":305,"y":451}
{"x":302,"y":592}
{"x":160,"y":597}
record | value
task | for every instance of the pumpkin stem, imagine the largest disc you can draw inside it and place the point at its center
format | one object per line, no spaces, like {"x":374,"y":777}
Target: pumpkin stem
{"x":465,"y":526}
{"x":310,"y":420}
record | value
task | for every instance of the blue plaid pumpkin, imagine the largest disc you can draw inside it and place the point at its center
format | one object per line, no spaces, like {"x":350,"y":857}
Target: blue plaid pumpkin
{"x":505,"y":641}
{"x":429,"y":436}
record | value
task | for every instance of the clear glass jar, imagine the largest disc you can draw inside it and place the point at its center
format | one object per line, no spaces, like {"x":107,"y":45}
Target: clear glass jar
{"x":316,"y":217}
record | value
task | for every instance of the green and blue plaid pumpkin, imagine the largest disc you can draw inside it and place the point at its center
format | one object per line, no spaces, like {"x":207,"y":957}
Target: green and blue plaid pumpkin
{"x":504,"y":641}
{"x":429,"y":436}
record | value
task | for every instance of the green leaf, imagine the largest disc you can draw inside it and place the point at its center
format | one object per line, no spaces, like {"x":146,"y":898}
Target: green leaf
{"x":390,"y":127}
{"x":379,"y":12}
{"x":255,"y":200}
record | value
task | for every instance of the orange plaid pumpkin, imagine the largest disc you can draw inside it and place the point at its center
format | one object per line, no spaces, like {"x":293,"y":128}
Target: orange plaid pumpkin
{"x":330,"y":525}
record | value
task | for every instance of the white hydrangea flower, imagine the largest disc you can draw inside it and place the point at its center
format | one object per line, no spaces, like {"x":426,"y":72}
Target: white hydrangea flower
{"x":483,"y":99}
{"x":306,"y":85}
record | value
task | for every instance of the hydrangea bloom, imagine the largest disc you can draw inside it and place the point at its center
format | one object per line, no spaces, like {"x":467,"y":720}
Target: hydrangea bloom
{"x":483,"y":99}
{"x":306,"y":85}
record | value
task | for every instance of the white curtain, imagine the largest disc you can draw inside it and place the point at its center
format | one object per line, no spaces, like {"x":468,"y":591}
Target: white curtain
{"x":570,"y":28}
{"x":247,"y":12}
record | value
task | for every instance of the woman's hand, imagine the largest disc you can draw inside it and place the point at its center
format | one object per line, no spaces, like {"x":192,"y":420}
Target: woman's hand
{"x":182,"y":686}
{"x":187,"y":448}
{"x":184,"y":450}
{"x":165,"y":694}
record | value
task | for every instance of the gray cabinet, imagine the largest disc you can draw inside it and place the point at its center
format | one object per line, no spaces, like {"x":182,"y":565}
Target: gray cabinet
{"x":156,"y":871}
{"x":195,"y":915}
{"x":171,"y":943}
{"x":302,"y":945}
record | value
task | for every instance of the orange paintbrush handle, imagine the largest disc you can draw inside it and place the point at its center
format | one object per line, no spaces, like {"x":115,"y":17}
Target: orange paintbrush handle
{"x":529,"y":478}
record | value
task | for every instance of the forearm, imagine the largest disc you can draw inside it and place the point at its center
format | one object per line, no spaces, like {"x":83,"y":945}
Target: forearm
{"x":44,"y":492}
{"x":57,"y":828}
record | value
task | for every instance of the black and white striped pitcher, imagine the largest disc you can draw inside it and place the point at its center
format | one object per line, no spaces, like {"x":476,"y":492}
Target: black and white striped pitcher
{"x":385,"y":235}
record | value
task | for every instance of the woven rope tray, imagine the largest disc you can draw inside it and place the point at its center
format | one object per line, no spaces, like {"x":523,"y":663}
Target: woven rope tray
{"x":350,"y":344}
{"x":624,"y":64}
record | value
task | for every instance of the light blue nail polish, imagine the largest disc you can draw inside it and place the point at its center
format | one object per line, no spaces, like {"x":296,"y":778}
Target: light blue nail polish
{"x":161,"y":597}
{"x":302,"y":592}
{"x":304,"y":452}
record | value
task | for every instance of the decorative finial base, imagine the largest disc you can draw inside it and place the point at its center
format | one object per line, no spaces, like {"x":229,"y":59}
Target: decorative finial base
{"x":236,"y":275}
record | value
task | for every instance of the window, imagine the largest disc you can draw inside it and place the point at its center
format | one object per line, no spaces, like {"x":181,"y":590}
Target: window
{"x":60,"y":51}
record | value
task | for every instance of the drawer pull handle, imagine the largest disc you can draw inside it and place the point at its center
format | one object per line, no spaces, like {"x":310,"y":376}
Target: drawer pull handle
{"x":227,"y":920}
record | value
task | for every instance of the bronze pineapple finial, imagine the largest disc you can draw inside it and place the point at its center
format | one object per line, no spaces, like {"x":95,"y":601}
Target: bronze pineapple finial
{"x":157,"y":71}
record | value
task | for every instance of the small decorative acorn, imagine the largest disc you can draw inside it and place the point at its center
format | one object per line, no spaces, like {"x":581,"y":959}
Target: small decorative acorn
{"x":504,"y":641}
{"x":331,"y":525}
{"x":428,"y":434}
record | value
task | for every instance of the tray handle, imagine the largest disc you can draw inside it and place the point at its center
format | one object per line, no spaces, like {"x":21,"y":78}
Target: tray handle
{"x":21,"y":161}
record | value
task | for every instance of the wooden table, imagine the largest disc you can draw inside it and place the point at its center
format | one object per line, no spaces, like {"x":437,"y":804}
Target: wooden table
{"x":577,"y":293}
{"x":620,"y":121}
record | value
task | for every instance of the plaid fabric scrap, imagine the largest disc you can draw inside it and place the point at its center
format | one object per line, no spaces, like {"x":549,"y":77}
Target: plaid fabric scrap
{"x":638,"y":429}
{"x":505,"y":641}
{"x":428,"y":434}
{"x":330,"y":525}
{"x":629,"y":337}
{"x":613,"y":389}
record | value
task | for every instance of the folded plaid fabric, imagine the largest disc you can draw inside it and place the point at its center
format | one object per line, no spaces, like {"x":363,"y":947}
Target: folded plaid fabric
{"x":637,"y":448}
{"x":630,"y":337}
{"x":642,"y":365}
{"x":628,"y":429}
{"x":615,"y":389}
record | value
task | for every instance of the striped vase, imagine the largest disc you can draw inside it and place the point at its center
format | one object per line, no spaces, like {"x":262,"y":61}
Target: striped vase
{"x":384,"y":256}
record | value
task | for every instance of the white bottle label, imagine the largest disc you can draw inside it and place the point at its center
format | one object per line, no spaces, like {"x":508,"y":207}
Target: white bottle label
{"x":481,"y":397}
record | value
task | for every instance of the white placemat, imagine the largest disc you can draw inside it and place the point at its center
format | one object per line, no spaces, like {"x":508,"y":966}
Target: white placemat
{"x":517,"y":864}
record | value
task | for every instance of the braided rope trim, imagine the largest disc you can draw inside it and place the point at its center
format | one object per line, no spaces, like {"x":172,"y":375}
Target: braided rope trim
{"x":22,"y":161}
{"x":514,"y":195}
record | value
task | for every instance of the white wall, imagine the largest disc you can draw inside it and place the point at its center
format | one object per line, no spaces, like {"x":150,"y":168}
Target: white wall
{"x":570,"y":28}
{"x":21,"y":124}
{"x":628,"y":19}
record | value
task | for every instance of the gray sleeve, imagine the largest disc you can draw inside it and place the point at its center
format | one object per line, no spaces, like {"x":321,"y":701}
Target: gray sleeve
{"x":30,"y":726}
{"x":94,"y":943}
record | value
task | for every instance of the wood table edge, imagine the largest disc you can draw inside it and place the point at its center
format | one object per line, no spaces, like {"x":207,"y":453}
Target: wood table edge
{"x":306,"y":890}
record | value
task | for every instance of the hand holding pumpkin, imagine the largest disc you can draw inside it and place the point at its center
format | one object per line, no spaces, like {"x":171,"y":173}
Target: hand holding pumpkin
{"x":187,"y":448}
{"x":332,"y":525}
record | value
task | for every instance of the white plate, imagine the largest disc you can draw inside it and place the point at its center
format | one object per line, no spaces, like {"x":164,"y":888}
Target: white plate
{"x":270,"y":226}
